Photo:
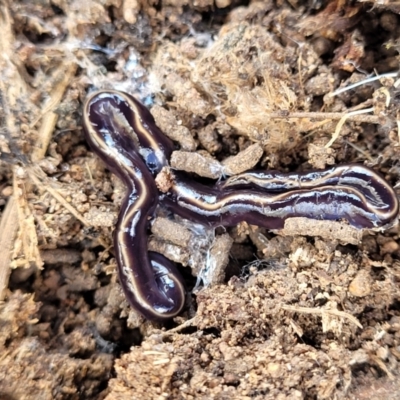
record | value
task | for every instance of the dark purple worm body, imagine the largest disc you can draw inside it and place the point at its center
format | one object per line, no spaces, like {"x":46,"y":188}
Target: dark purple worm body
{"x":351,"y":192}
{"x":122,"y":132}
{"x":151,"y":282}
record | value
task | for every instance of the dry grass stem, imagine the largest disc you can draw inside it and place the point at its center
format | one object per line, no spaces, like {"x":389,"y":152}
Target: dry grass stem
{"x":342,"y":122}
{"x":25,"y":250}
{"x":49,"y":117}
{"x":370,"y":119}
{"x":33,"y":176}
{"x":319,"y":311}
{"x":363,"y":82}
{"x":8,"y":231}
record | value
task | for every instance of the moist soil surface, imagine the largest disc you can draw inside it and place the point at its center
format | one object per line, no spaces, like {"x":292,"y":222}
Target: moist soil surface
{"x":308,"y":312}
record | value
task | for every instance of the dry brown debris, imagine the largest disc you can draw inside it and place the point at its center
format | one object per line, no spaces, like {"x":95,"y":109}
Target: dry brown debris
{"x":300,"y":317}
{"x":167,"y":122}
{"x":28,"y":369}
{"x":329,"y":230}
{"x":251,"y":356}
{"x":196,"y":162}
{"x":243,"y":161}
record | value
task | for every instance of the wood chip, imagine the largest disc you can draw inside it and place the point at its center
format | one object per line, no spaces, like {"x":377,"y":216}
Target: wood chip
{"x":167,"y":122}
{"x":203,"y":166}
{"x":360,"y":286}
{"x":326,"y":229}
{"x":243,"y":161}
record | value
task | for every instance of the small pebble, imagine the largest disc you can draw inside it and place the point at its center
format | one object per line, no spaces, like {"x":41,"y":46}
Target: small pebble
{"x":361,"y":284}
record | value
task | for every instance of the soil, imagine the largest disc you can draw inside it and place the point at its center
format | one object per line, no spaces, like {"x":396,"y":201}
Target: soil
{"x":310,"y":312}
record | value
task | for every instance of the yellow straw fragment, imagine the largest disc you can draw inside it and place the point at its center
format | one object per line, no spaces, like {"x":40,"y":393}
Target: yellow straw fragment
{"x":342,"y":121}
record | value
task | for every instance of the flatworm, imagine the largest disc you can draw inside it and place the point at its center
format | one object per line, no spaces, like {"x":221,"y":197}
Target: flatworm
{"x":122,"y":132}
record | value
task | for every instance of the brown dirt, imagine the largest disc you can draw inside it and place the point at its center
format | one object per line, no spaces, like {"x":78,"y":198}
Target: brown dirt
{"x":297,"y":314}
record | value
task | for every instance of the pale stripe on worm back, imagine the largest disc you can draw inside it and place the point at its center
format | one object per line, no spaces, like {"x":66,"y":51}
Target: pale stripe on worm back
{"x":363,"y":207}
{"x":377,"y":196}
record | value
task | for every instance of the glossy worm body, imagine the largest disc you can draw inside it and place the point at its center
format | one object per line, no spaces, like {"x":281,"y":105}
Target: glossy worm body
{"x":123,"y":133}
{"x":151,"y":283}
{"x":351,"y":192}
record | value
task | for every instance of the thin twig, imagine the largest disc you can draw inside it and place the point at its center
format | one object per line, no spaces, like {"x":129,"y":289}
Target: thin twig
{"x":13,"y":90}
{"x":371,"y":119}
{"x":363,"y":82}
{"x":57,"y":196}
{"x":321,"y":311}
{"x":8,"y":231}
{"x":360,"y":150}
{"x":186,"y":324}
{"x":49,"y":117}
